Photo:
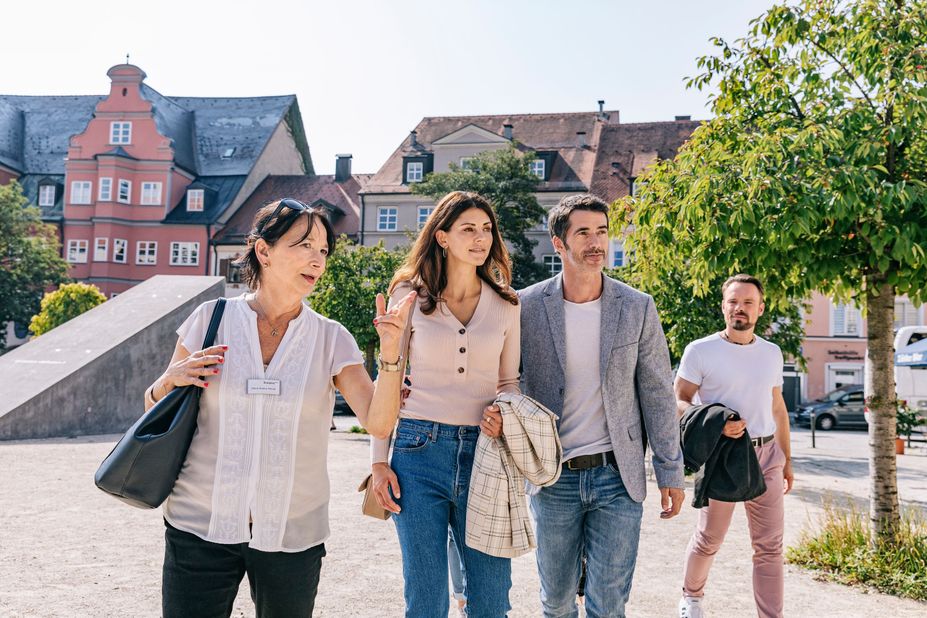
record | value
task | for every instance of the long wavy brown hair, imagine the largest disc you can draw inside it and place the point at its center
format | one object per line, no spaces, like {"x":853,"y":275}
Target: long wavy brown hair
{"x":425,"y":267}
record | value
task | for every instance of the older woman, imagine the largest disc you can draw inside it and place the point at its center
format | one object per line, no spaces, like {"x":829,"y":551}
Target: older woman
{"x":464,"y":350}
{"x":253,"y":494}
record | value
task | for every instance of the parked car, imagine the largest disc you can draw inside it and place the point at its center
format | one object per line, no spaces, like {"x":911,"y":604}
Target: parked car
{"x":341,"y":406}
{"x":843,"y":407}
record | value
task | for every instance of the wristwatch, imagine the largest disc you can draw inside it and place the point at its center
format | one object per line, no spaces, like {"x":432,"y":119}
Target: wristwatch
{"x":382,"y":365}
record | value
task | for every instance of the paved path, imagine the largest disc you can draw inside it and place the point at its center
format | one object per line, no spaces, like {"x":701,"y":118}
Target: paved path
{"x":66,"y":549}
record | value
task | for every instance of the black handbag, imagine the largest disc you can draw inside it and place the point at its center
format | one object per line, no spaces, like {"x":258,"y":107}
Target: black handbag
{"x":143,"y":466}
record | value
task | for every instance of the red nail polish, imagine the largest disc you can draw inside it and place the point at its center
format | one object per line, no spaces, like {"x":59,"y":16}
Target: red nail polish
{"x":206,"y":385}
{"x":221,"y":360}
{"x":225,"y":347}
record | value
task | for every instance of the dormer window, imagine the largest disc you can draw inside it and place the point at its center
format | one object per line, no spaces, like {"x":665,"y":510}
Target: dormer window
{"x":538,"y":167}
{"x":415,"y":171}
{"x":120,"y":133}
{"x":195,"y":199}
{"x":47,"y":195}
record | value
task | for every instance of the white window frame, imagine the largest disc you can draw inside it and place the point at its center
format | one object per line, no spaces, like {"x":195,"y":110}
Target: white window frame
{"x":120,"y":248}
{"x":106,"y":189}
{"x":146,"y":252}
{"x":196,"y":199}
{"x":185,"y":254}
{"x":538,"y":167}
{"x":387,"y":218}
{"x":465,"y":162}
{"x":44,"y":198}
{"x":419,"y":171}
{"x":77,"y":251}
{"x":423,"y":213}
{"x":100,"y":249}
{"x":845,"y":320}
{"x":906,"y":313}
{"x":128,"y":186}
{"x":81,"y":192}
{"x":151,"y":193}
{"x":553,"y":263}
{"x":120,"y":132}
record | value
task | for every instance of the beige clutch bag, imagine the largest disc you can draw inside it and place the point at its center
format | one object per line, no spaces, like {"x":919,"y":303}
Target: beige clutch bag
{"x":370,"y":506}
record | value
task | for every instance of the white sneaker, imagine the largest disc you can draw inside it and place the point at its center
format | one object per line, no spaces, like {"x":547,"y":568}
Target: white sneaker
{"x":691,"y":607}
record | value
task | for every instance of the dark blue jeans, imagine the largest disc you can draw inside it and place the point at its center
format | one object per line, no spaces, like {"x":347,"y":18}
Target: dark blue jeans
{"x":586,"y":513}
{"x":201,"y":579}
{"x":433,"y":463}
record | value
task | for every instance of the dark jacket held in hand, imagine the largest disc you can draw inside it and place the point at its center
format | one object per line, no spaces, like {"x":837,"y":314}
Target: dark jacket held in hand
{"x":730,"y":471}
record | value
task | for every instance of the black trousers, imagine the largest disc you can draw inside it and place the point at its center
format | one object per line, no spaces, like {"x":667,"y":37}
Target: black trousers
{"x":201,"y":579}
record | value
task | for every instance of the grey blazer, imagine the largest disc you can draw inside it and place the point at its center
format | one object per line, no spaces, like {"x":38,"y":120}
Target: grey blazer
{"x":637,"y":384}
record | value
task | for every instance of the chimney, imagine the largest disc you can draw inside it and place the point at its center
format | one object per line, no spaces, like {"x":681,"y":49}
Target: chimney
{"x":580,"y":139}
{"x":342,"y":167}
{"x":413,"y":138}
{"x":507,"y":131}
{"x":601,"y":106}
{"x":683,"y":118}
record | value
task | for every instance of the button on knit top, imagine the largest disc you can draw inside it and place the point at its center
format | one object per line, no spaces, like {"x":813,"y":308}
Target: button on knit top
{"x":457,"y":369}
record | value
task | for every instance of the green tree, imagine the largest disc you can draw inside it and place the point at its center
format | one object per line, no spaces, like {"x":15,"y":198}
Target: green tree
{"x":66,"y":303}
{"x":687,"y":315}
{"x":30,"y":259}
{"x":505,"y":179}
{"x":348,"y":290}
{"x":812,"y":176}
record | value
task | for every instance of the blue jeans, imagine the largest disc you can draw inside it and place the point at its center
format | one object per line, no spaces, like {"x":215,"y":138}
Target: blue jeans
{"x":433,"y":463}
{"x":586,"y":512}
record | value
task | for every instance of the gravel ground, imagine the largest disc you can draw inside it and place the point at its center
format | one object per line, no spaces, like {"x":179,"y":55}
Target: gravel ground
{"x":66,"y":549}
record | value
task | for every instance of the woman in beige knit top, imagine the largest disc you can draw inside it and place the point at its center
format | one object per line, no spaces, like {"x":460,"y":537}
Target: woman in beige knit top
{"x":464,"y":350}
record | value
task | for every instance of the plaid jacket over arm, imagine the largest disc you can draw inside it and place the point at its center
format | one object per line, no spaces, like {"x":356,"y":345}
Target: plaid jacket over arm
{"x":498,"y":523}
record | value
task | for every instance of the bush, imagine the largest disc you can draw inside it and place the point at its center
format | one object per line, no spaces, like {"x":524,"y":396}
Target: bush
{"x":67,"y":302}
{"x":357,"y":429}
{"x":843,"y":548}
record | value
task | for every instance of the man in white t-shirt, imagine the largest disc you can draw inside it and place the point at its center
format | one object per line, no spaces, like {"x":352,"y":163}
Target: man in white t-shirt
{"x":743,"y":371}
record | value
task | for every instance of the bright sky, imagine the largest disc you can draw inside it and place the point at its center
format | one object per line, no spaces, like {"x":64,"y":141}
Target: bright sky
{"x":366,"y":71}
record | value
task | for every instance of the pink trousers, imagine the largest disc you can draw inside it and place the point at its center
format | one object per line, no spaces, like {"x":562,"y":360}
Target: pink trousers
{"x":765,"y":518}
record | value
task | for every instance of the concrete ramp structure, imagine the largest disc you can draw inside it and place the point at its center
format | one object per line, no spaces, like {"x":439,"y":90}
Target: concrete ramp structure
{"x":89,"y":375}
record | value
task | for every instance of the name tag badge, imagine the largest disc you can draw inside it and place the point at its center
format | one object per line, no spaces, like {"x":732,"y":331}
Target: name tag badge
{"x":260,"y":386}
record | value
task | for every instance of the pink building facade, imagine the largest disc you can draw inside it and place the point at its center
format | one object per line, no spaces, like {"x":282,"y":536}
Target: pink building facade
{"x":139,"y":183}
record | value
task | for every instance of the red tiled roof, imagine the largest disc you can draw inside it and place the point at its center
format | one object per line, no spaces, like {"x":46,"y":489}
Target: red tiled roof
{"x":626,"y":150}
{"x":542,"y":132}
{"x":343,"y":196}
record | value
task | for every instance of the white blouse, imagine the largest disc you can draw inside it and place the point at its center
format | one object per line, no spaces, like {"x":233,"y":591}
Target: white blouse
{"x":256,"y":471}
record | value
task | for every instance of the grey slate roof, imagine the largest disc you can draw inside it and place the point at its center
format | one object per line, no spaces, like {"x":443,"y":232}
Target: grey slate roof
{"x":218,"y":195}
{"x":30,"y":185}
{"x":34,"y":131}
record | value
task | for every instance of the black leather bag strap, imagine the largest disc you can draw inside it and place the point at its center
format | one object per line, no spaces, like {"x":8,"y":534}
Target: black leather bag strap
{"x":214,"y":323}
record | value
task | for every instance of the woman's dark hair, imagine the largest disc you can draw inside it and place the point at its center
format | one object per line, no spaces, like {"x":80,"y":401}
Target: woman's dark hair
{"x":271,"y":222}
{"x":425,"y":268}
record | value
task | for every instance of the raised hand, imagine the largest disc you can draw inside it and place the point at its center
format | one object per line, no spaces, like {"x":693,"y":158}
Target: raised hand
{"x":391,"y":324}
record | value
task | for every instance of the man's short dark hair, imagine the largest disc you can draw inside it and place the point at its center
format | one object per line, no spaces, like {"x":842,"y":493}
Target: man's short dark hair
{"x":558,"y":219}
{"x":742,"y":278}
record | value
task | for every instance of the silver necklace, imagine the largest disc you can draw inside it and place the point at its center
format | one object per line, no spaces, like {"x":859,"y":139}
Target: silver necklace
{"x":274,"y":330}
{"x":729,"y":340}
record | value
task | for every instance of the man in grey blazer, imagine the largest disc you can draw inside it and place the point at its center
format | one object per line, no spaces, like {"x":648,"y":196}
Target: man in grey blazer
{"x":594,"y":353}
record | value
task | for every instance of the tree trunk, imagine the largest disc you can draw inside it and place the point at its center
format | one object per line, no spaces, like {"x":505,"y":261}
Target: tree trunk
{"x":370,"y":357}
{"x":880,"y":398}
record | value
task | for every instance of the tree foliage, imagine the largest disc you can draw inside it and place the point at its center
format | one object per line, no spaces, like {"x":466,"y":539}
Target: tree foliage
{"x":30,"y":258}
{"x":687,"y":316}
{"x":348,"y":290}
{"x":66,"y":303}
{"x":812,"y":175}
{"x":505,"y":179}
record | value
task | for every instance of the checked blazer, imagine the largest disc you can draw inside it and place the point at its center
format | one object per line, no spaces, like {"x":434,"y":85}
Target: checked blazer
{"x":529,"y":448}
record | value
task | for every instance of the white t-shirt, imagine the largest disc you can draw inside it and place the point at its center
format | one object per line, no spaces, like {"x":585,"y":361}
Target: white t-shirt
{"x":583,"y":429}
{"x":256,"y":470}
{"x":739,"y":376}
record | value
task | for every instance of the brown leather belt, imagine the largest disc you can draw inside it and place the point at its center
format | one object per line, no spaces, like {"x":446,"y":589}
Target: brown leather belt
{"x":761,"y":441}
{"x":585,"y":462}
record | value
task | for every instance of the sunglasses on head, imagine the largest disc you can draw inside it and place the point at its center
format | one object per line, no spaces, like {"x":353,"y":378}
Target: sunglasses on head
{"x":284,"y":203}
